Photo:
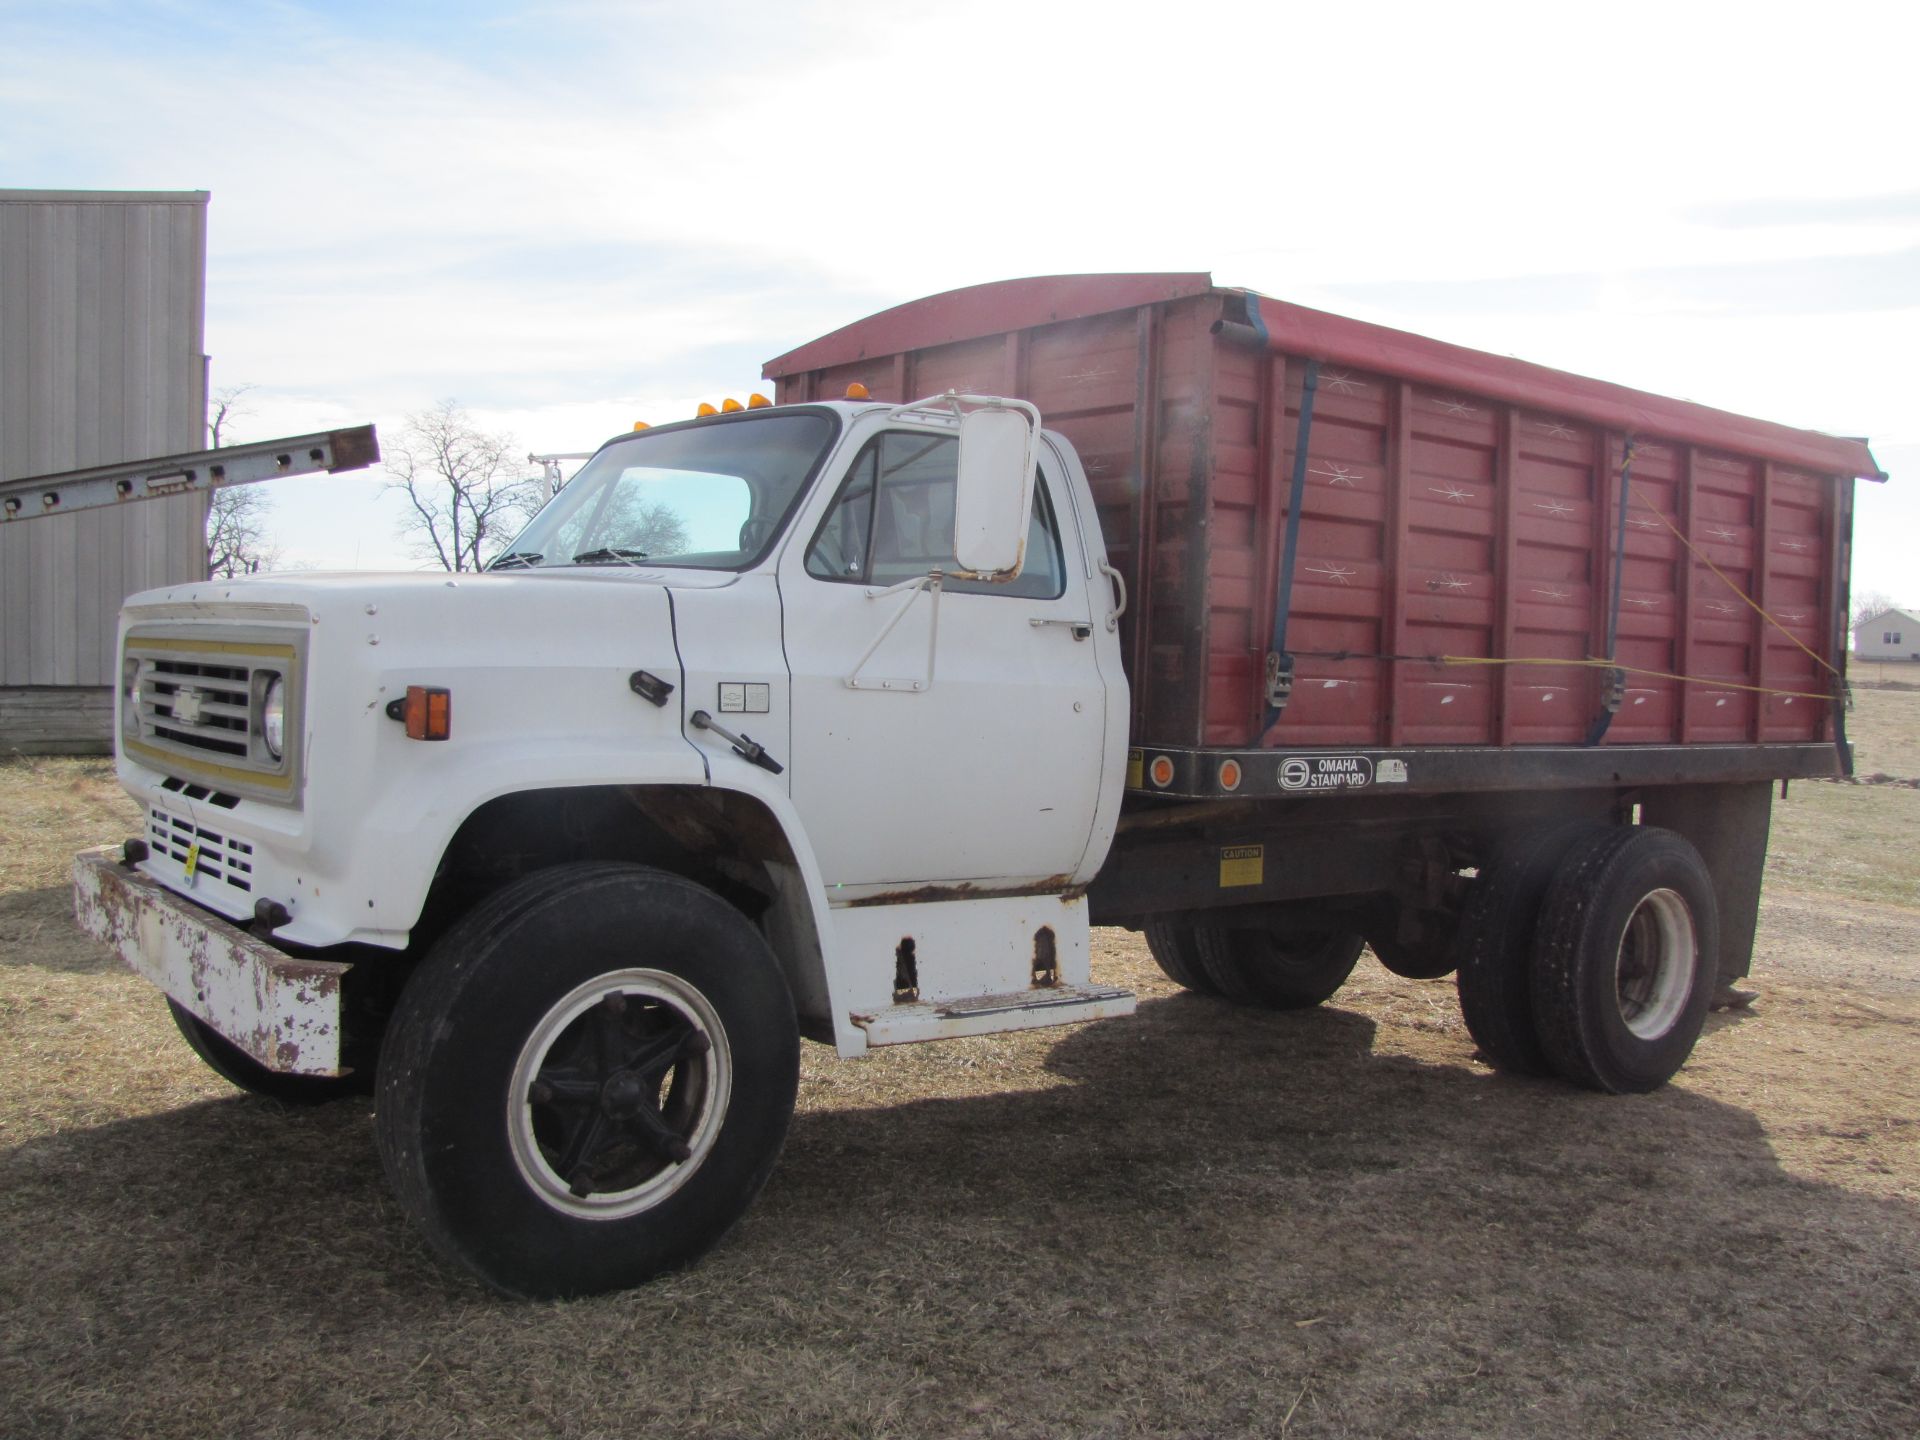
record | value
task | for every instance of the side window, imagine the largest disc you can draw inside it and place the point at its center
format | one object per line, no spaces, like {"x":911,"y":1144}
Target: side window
{"x":893,"y":520}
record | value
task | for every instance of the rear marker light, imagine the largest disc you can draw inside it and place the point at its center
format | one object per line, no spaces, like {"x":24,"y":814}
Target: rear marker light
{"x":1161,"y":771}
{"x":1229,"y":774}
{"x":427,"y":712}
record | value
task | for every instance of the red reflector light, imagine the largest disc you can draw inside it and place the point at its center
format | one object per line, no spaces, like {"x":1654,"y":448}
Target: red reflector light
{"x":429,"y":713}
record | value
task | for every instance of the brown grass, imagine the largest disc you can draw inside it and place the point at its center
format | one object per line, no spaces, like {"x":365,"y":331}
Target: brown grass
{"x":1199,"y":1221}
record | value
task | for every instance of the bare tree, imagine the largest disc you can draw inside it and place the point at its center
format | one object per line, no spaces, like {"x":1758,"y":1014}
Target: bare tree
{"x":463,"y":486}
{"x":236,"y":514}
{"x":237,"y":533}
{"x":650,"y":525}
{"x":228,"y":405}
{"x":1869,"y":603}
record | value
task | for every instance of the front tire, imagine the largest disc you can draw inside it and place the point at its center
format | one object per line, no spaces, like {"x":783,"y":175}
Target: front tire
{"x":238,"y":1068}
{"x":1625,"y":960}
{"x":588,"y":1080}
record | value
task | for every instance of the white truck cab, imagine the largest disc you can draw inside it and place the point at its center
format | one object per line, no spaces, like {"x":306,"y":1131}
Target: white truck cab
{"x":797,"y":719}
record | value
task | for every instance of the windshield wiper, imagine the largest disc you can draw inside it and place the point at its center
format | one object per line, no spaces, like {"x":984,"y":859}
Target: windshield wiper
{"x":514,"y":558}
{"x":609,"y":552}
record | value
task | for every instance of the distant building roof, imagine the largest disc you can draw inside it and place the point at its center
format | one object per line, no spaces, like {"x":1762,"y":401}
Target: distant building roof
{"x":1906,"y":615}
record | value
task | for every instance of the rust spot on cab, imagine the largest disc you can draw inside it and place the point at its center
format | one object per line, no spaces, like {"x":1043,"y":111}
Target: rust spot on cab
{"x":1060,"y":886}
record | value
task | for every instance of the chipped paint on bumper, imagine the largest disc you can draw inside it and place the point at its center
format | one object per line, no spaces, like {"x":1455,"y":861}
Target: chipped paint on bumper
{"x":282,"y":1011}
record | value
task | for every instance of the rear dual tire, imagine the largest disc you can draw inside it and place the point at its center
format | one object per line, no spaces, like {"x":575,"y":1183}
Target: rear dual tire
{"x":1624,"y":962}
{"x":1588,"y":951}
{"x":1254,"y":964}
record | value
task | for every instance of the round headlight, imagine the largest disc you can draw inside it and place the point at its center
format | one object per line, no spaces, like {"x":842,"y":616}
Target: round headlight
{"x":273,"y":717}
{"x":130,"y":701}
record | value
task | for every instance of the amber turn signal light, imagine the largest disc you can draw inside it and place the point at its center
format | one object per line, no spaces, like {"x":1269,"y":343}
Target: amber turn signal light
{"x":857,"y":391}
{"x":429,"y":713}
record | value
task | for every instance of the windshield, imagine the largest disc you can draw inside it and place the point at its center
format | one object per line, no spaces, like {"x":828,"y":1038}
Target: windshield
{"x":711,"y":496}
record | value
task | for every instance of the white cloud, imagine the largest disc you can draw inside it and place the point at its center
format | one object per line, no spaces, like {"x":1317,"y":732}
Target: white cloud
{"x":569,"y":214}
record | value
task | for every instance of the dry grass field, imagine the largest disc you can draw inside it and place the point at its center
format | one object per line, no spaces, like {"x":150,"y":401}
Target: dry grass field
{"x":1199,"y":1221}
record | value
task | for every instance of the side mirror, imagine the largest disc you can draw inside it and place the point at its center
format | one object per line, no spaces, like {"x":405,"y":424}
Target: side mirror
{"x":993,"y":496}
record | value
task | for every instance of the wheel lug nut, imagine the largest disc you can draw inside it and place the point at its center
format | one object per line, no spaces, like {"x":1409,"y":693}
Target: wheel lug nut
{"x":616,"y":1002}
{"x":540,"y":1093}
{"x":678,"y":1150}
{"x":699,"y":1043}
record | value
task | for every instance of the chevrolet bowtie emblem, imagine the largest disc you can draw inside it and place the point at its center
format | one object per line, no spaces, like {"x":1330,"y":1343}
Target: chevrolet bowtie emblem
{"x":186,"y":705}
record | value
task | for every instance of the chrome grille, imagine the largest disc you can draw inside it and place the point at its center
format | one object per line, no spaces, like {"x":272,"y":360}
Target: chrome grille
{"x":208,"y":707}
{"x":222,"y":859}
{"x":191,"y":705}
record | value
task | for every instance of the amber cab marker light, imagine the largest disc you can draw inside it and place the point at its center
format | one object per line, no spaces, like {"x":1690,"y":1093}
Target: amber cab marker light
{"x":857,"y":391}
{"x":757,"y":401}
{"x":705,"y":410}
{"x":429,"y":712}
{"x":641,"y":425}
{"x":731,"y":406}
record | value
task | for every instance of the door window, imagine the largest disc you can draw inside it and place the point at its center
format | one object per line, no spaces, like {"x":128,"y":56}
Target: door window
{"x":893,"y":520}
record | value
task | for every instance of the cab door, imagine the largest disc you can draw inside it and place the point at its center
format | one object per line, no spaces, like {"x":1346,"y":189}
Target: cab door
{"x":944,"y":735}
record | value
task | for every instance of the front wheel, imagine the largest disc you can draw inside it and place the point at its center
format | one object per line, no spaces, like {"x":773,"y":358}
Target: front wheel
{"x":588,"y":1080}
{"x":238,"y":1068}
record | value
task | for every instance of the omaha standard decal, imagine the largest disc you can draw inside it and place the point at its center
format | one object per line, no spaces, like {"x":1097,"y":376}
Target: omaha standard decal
{"x":1325,"y":772}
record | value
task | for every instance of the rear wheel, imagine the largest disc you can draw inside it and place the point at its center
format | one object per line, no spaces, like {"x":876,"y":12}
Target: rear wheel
{"x":588,"y":1080}
{"x":1257,"y":964}
{"x":1431,"y":957}
{"x":1493,"y":947}
{"x":235,"y":1066}
{"x":1625,"y":960}
{"x":1172,"y":945}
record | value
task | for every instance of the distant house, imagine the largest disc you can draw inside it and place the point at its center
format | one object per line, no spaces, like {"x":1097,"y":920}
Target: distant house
{"x":1890,"y":635}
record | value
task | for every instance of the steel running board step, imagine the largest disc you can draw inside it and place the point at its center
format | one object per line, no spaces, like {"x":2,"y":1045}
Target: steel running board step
{"x":991,"y":1014}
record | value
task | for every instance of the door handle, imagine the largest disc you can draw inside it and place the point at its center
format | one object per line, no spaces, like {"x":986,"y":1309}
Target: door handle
{"x":1080,"y":628}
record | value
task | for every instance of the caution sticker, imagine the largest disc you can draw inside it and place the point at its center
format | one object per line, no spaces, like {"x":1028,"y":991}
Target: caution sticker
{"x":1326,"y":772}
{"x":1243,"y":865}
{"x":1136,"y":769}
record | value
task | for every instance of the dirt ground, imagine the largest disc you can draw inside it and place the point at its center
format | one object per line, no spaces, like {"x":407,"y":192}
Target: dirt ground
{"x":1198,"y":1221}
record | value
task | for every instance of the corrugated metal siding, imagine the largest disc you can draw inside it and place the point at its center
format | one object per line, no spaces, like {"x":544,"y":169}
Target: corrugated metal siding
{"x":102,"y":315}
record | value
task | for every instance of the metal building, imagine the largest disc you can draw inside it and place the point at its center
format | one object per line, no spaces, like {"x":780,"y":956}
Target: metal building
{"x":102,"y":329}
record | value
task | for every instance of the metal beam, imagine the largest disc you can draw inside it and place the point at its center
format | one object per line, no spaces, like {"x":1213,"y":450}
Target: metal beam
{"x":34,"y":496}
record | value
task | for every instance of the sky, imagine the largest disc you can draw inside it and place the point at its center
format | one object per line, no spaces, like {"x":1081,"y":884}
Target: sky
{"x":572,"y":216}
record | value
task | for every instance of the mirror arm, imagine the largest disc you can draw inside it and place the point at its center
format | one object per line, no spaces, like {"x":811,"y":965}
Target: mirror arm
{"x":911,"y":588}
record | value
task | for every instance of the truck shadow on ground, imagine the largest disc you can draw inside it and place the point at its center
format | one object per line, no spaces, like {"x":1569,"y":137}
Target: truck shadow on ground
{"x":1216,"y":1168}
{"x":1192,"y":1123}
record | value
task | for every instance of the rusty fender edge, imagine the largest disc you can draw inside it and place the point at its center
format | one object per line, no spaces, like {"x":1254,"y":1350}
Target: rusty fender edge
{"x":283,"y":1012}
